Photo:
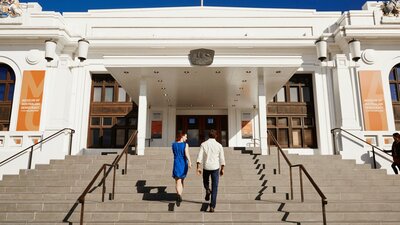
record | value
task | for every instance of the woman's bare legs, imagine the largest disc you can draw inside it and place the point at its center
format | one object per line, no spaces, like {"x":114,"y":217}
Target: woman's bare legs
{"x":179,"y":186}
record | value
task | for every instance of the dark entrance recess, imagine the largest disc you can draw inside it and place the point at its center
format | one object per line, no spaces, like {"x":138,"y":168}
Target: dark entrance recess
{"x":198,"y":128}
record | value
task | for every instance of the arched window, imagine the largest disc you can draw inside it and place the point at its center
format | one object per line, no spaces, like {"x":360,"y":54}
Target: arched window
{"x":7,"y":84}
{"x":394,"y":81}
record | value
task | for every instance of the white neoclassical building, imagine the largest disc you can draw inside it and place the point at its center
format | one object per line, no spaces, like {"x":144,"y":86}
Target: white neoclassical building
{"x":296,"y":73}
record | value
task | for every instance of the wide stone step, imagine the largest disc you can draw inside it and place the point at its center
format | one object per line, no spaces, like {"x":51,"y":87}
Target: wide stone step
{"x":199,"y":217}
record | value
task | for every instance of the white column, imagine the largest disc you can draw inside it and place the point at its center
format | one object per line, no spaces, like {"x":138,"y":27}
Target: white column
{"x":142,"y":118}
{"x":322,"y":112}
{"x":171,"y":125}
{"x":233,"y":131}
{"x":262,"y":115}
{"x":346,"y":111}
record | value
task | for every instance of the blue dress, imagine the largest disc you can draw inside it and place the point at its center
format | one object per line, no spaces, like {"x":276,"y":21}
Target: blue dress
{"x":180,"y":162}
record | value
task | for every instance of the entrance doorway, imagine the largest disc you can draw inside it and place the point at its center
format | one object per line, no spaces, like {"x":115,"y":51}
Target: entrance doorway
{"x":198,"y":128}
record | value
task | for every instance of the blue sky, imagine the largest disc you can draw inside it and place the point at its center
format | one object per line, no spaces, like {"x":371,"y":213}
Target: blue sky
{"x":84,"y":5}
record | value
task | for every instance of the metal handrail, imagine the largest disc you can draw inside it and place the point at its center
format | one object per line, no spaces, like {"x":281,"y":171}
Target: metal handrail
{"x":114,"y":165}
{"x":302,"y":170}
{"x":11,"y":158}
{"x":352,"y":135}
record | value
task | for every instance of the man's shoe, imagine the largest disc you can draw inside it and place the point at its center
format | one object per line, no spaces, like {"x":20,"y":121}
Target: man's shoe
{"x":208,"y":193}
{"x":211,"y":209}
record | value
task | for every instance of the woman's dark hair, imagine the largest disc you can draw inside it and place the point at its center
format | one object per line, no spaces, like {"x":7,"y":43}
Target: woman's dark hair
{"x":212,"y":134}
{"x":179,"y":136}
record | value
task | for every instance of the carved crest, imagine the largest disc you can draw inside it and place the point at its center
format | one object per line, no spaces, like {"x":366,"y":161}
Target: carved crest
{"x":391,"y":8}
{"x":10,"y":8}
{"x":201,"y":57}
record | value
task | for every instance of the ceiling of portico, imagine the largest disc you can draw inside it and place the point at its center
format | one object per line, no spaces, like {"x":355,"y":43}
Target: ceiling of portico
{"x":202,"y":87}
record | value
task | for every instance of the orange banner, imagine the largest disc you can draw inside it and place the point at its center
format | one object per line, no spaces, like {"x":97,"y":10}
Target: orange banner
{"x":373,"y":101}
{"x":30,"y":104}
{"x":156,"y":129}
{"x":247,"y":129}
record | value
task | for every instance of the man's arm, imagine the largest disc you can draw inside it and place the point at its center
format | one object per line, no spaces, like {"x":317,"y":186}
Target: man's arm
{"x":222,"y":161}
{"x":200,"y":160}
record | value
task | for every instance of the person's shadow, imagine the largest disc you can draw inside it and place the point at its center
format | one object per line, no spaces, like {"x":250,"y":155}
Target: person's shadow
{"x":161,"y":195}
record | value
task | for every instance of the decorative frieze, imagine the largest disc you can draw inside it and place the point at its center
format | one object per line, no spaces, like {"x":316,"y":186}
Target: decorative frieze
{"x":10,"y":8}
{"x":391,"y":8}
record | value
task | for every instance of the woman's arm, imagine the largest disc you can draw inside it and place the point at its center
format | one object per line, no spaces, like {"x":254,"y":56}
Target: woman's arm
{"x":188,"y":155}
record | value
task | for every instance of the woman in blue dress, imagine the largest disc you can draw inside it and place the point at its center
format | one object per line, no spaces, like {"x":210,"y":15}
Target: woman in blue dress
{"x":181,"y":163}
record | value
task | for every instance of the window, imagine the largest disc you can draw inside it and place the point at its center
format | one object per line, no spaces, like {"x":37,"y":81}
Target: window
{"x":394,"y":82}
{"x":113,"y":117}
{"x":294,"y":94}
{"x":109,"y":94}
{"x":7,"y":85}
{"x":97,"y":94}
{"x":121,"y":95}
{"x":281,"y":96}
{"x":291,"y":114}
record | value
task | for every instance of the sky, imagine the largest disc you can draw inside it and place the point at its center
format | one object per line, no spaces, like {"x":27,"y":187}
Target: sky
{"x":85,"y":5}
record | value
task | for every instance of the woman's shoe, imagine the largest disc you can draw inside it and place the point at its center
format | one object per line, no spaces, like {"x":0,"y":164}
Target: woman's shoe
{"x":178,"y":200}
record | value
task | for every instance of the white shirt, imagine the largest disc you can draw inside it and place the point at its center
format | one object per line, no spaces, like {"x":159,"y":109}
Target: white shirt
{"x":211,"y":155}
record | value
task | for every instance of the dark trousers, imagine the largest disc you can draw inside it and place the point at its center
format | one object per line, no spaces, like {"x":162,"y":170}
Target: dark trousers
{"x":394,"y":164}
{"x":214,"y":182}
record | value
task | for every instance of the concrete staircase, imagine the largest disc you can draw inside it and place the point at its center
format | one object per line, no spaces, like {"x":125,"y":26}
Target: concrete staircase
{"x":250,"y":193}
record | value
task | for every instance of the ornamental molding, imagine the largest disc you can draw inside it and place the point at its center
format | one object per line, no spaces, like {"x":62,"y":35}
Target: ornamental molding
{"x":10,"y":8}
{"x":391,"y":8}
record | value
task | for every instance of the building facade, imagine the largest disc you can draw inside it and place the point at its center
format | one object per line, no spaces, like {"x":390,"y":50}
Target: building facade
{"x":265,"y":75}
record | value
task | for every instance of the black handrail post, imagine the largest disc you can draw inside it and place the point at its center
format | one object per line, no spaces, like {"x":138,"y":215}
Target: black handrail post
{"x":70,"y":142}
{"x":82,"y":210}
{"x":126,"y":162}
{"x":334,"y":142}
{"x":279,"y":162}
{"x":30,"y":158}
{"x":373,"y":156}
{"x":104,"y":183}
{"x":291,"y":183}
{"x":323,"y":212}
{"x":301,"y":183}
{"x":113,"y":189}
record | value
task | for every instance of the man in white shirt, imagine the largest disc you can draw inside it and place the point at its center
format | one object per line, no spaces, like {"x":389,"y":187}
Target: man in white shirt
{"x":211,"y":156}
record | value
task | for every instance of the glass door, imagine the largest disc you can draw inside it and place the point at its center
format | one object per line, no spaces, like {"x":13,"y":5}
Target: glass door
{"x":198,"y":128}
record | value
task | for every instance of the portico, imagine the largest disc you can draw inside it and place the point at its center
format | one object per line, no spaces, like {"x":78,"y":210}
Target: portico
{"x":234,"y":86}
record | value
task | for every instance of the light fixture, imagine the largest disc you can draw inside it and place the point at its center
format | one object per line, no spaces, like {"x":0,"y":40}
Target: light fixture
{"x":126,"y":72}
{"x":241,"y":88}
{"x":212,"y":105}
{"x":159,"y":81}
{"x":237,"y":94}
{"x":278,"y":72}
{"x":322,"y":49}
{"x":217,"y":72}
{"x":186,"y":72}
{"x":244,"y":81}
{"x":83,"y":49}
{"x":50,"y":51}
{"x":156,"y":72}
{"x":165,"y":94}
{"x":355,"y":49}
{"x":163,"y":88}
{"x":248,"y":71}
